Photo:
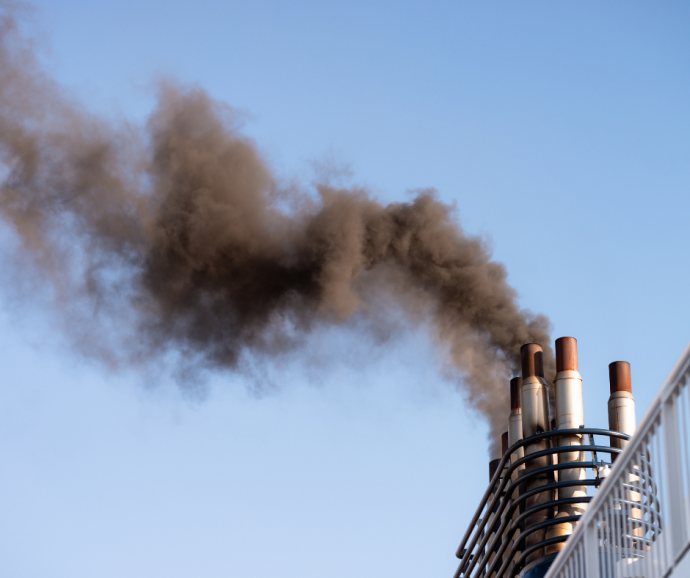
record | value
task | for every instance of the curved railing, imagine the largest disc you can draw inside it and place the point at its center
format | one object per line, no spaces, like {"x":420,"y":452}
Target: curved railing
{"x":494,"y":544}
{"x":621,"y":535}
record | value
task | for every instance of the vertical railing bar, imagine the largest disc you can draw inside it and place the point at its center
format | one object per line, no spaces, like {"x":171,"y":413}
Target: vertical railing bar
{"x":674,"y":476}
{"x":685,"y":456}
{"x":592,"y":550}
{"x":609,"y":535}
{"x":624,"y":552}
{"x":656,"y":457}
{"x":647,"y":496}
{"x":621,"y":540}
{"x":598,"y":554}
{"x":581,"y":560}
{"x":648,"y":490}
{"x":660,"y":433}
{"x":614,"y":531}
{"x":646,"y":469}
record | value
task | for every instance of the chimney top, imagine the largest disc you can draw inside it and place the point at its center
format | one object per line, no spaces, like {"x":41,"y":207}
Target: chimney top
{"x":566,"y":354}
{"x":515,"y":384}
{"x":532,"y":357}
{"x":619,"y":376}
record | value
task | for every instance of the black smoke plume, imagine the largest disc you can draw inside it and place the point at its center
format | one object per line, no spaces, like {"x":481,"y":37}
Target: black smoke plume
{"x":178,"y":238}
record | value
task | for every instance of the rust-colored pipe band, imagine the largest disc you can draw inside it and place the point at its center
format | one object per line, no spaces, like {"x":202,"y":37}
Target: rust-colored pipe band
{"x":566,"y":354}
{"x":515,"y":385}
{"x":619,"y":376}
{"x":532,"y":358}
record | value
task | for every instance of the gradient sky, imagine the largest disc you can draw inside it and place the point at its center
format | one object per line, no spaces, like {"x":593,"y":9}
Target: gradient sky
{"x":562,"y":132}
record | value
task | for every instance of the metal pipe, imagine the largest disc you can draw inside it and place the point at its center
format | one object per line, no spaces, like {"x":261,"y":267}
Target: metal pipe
{"x":534,"y":398}
{"x":569,"y":415}
{"x":515,"y":420}
{"x":622,"y":419}
{"x":515,"y":435}
{"x":621,"y":402}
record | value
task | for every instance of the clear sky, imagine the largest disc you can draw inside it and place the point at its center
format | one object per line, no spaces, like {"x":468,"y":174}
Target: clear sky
{"x":562,"y":132}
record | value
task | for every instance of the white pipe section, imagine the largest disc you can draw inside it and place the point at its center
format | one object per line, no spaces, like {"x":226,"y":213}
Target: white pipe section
{"x":621,"y":416}
{"x":622,"y":419}
{"x":534,"y":397}
{"x":569,"y":415}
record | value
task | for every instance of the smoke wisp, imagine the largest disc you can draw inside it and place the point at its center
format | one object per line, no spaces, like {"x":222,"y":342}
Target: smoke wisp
{"x":177,"y":237}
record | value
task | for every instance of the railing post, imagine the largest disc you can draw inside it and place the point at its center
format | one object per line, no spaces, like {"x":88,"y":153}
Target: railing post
{"x":674,"y":475}
{"x":590,"y":545}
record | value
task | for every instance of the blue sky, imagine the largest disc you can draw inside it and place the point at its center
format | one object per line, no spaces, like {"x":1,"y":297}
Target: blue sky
{"x":560,"y":130}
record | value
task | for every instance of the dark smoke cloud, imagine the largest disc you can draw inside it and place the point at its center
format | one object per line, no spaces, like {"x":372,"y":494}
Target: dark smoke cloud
{"x":178,"y":237}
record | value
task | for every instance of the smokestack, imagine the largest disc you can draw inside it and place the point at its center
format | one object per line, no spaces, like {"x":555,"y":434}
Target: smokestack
{"x":568,"y":386}
{"x":569,"y":415}
{"x":504,"y":443}
{"x":622,"y":419}
{"x":534,"y":394}
{"x":515,"y":385}
{"x":532,"y":360}
{"x":534,"y":399}
{"x":621,"y":402}
{"x":515,"y":422}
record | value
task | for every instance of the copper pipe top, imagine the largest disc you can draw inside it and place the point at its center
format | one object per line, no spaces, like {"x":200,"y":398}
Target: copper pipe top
{"x":566,"y":354}
{"x":493,"y":466}
{"x":619,"y":376}
{"x":504,"y":443}
{"x":515,"y":385}
{"x":532,"y":357}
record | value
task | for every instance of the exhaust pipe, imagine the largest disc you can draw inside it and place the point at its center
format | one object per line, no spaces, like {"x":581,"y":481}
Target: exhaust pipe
{"x":534,"y":398}
{"x":621,"y":402}
{"x":569,"y":415}
{"x":622,"y":419}
{"x":514,"y":436}
{"x":515,"y":422}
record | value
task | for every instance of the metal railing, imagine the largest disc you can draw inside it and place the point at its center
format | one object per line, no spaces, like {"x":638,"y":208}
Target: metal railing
{"x":496,"y":542}
{"x":638,"y":525}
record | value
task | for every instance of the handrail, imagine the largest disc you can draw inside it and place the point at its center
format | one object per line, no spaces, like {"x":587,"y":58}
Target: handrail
{"x":544,"y":543}
{"x":515,"y":526}
{"x":475,"y":529}
{"x":516,"y":503}
{"x":535,"y":491}
{"x":532,"y":529}
{"x":517,"y":445}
